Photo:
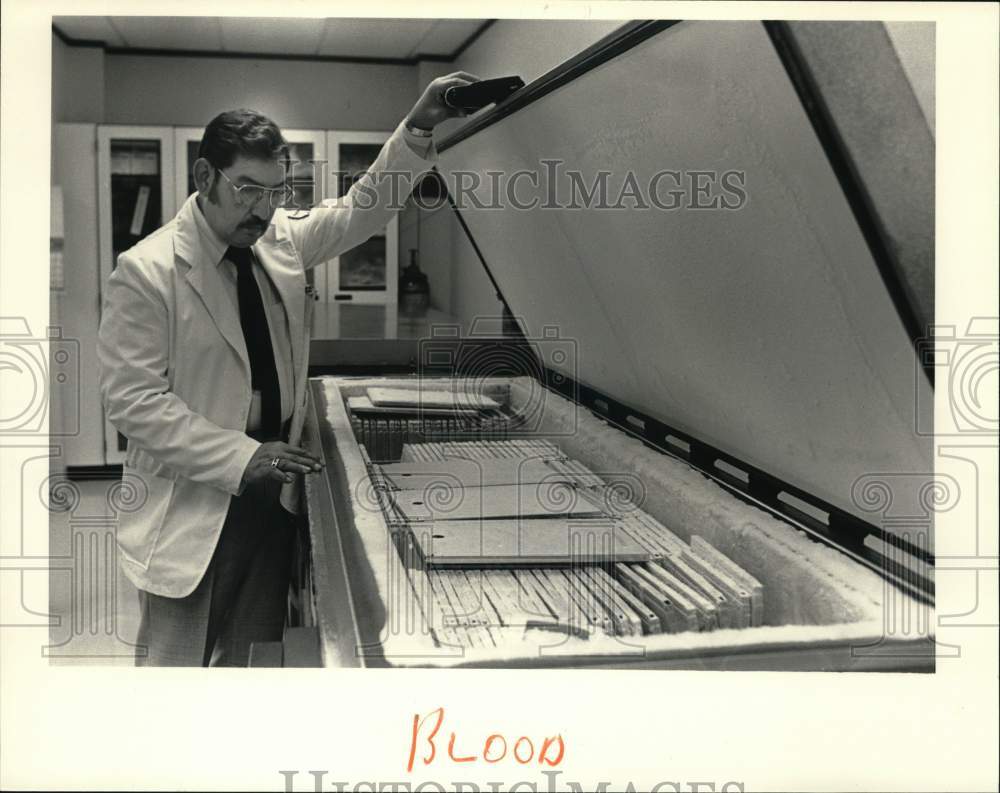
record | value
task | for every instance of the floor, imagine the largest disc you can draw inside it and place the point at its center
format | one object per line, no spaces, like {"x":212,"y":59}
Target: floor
{"x":94,"y":609}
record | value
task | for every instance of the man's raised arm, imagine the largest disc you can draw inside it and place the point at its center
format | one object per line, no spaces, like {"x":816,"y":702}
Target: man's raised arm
{"x":337,"y":225}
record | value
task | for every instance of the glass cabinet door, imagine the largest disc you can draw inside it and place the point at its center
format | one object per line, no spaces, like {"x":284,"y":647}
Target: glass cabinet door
{"x":367,"y":274}
{"x":135,"y":171}
{"x":186,"y":142}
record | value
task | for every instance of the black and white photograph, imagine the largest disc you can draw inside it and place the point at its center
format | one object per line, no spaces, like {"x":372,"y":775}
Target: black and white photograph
{"x":585,"y":353}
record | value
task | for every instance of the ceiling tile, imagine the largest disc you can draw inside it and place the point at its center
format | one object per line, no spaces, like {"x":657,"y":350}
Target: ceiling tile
{"x":373,"y":38}
{"x":447,"y":35}
{"x":332,"y":37}
{"x":272,"y":36}
{"x":172,"y":33}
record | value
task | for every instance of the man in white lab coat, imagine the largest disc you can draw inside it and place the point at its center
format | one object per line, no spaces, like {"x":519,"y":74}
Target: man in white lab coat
{"x":203,"y":351}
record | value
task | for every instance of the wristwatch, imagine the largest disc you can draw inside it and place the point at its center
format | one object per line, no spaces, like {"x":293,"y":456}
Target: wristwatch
{"x":418,"y":131}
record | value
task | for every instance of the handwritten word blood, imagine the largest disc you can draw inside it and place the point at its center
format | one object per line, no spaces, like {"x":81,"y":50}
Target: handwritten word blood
{"x":548,"y":751}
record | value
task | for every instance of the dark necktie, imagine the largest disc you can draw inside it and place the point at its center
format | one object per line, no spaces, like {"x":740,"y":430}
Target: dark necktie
{"x":257,"y":335}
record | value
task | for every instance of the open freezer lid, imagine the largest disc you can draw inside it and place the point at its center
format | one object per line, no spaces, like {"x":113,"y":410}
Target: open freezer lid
{"x":766,"y":331}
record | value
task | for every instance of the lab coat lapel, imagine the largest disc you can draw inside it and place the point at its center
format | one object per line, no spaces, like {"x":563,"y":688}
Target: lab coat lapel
{"x":279,"y":259}
{"x":280,"y":263}
{"x":206,"y":280}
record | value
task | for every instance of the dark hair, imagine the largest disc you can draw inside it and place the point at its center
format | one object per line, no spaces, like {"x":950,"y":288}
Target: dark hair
{"x":244,"y":132}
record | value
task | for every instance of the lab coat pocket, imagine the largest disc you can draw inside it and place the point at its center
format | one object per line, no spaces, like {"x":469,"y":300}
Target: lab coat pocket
{"x":144,"y":501}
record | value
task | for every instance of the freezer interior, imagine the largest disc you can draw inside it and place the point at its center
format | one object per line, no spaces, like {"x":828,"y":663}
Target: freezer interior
{"x":816,"y":599}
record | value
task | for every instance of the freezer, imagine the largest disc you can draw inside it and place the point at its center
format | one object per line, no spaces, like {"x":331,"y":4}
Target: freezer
{"x":714,"y":355}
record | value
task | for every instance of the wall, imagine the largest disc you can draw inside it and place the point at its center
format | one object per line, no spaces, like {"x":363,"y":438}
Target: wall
{"x":914,"y":44}
{"x":127,"y":89}
{"x":182,"y":91}
{"x":77,"y":83}
{"x":296,"y":94}
{"x":436,"y":256}
{"x":89,"y":85}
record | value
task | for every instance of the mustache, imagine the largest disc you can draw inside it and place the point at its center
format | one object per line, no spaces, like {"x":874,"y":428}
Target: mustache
{"x":255,"y":225}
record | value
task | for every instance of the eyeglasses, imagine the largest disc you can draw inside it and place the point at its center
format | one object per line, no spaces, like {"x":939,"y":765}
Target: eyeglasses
{"x":249,"y":195}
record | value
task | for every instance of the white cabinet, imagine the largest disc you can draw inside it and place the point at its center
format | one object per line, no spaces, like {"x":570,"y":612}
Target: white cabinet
{"x":135,"y":189}
{"x":78,"y":425}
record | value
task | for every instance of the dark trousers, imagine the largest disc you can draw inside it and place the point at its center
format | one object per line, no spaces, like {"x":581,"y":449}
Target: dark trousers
{"x":241,"y":599}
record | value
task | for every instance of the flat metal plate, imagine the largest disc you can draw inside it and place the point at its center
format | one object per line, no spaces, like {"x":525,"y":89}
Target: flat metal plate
{"x":470,"y":473}
{"x":502,"y":501}
{"x":395,"y":397}
{"x":362,"y":404}
{"x":479,"y":450}
{"x":525,"y":542}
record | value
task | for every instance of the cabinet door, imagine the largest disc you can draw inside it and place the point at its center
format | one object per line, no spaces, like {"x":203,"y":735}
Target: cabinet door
{"x":135,"y":184}
{"x":367,"y":274}
{"x":186,"y":142}
{"x":76,"y":416}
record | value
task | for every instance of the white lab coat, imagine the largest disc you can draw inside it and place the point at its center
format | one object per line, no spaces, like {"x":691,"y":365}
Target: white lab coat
{"x":175,"y":376}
